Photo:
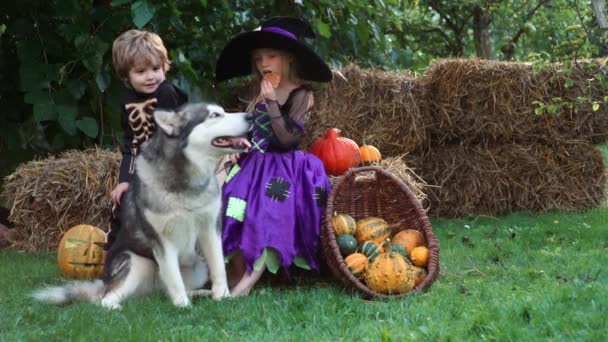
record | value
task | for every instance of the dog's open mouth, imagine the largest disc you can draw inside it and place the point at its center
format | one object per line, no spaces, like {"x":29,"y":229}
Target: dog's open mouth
{"x":232,"y":142}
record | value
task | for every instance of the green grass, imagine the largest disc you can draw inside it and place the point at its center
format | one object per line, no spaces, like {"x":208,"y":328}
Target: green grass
{"x":517,"y":277}
{"x":521,"y":277}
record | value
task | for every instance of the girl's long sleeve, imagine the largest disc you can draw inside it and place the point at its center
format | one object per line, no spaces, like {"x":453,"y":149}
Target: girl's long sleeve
{"x":288,"y":126}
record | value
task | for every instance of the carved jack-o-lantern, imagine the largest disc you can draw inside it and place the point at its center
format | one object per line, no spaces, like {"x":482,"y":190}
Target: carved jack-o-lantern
{"x":80,"y":253}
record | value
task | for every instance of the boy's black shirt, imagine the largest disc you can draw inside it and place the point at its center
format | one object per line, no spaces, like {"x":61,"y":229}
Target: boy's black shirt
{"x":138,"y":123}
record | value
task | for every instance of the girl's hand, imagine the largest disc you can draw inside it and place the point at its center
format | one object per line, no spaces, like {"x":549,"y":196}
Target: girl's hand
{"x":267,"y":90}
{"x":234,"y":158}
{"x":118,"y":191}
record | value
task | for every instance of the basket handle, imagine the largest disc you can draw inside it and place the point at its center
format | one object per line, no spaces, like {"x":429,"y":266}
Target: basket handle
{"x":353,"y":170}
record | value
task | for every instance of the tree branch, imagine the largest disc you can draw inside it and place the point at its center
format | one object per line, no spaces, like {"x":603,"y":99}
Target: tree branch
{"x":508,"y":48}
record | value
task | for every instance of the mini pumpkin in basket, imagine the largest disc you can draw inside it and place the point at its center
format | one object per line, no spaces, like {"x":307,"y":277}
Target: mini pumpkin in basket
{"x":372,"y":192}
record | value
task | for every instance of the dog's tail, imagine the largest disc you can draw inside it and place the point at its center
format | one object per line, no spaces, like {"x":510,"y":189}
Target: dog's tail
{"x":77,"y":291}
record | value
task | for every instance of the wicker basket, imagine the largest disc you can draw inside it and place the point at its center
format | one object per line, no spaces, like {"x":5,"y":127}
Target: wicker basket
{"x":372,"y":191}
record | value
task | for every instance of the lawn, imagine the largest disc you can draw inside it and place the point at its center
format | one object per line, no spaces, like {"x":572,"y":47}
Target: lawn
{"x":517,"y":277}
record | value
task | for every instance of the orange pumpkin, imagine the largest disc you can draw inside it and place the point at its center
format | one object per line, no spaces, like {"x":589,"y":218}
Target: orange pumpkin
{"x":390,"y":273}
{"x":409,"y":238}
{"x":369,"y":154}
{"x":419,"y":256}
{"x":80,"y":253}
{"x":338,"y":154}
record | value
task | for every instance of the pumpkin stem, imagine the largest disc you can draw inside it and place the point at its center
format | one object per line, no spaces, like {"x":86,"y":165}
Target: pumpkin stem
{"x":332,"y":134}
{"x":386,"y":243}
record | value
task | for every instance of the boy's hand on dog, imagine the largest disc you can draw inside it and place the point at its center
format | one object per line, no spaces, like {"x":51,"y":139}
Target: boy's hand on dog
{"x":118,"y":191}
{"x":268,"y":91}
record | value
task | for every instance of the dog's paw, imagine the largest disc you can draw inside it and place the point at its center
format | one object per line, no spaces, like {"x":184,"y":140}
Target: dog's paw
{"x":220,"y":292}
{"x":110,"y":304}
{"x":181,"y":302}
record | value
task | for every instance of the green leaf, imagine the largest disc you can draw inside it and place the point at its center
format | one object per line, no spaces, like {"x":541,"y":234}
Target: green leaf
{"x":596,"y":106}
{"x":273,"y":260}
{"x":103,"y":80}
{"x":142,"y":12}
{"x":44,"y":112}
{"x":67,"y":117}
{"x":572,"y":28}
{"x":88,"y":126}
{"x":37,"y":96}
{"x":323,"y":28}
{"x":76,"y":88}
{"x":258,"y":265}
{"x":116,"y":3}
{"x":301,"y":263}
{"x":568,"y":83}
{"x":92,"y":57}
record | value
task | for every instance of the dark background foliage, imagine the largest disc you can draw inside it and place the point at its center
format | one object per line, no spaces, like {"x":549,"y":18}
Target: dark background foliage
{"x":58,"y":91}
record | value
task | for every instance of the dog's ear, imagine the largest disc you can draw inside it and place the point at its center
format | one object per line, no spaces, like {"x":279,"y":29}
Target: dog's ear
{"x":170,"y":122}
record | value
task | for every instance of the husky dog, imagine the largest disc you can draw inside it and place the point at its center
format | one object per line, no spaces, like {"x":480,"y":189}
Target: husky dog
{"x":169,"y":214}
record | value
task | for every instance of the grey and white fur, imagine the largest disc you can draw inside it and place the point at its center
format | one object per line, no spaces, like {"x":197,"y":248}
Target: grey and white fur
{"x":170,"y":225}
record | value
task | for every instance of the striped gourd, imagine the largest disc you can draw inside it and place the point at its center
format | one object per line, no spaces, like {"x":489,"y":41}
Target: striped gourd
{"x":357,"y":264}
{"x":344,"y":224}
{"x":390,"y":273}
{"x":370,"y":249}
{"x":399,"y":249}
{"x":372,"y":229}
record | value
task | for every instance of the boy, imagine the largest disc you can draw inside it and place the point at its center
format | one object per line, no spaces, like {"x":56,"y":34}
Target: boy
{"x":140,"y":60}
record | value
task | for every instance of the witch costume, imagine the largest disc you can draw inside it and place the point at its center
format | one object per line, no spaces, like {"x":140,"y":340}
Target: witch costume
{"x":274,"y":197}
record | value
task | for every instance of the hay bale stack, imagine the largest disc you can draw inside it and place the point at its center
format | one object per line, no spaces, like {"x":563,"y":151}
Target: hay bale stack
{"x":475,"y":179}
{"x":49,"y":196}
{"x":578,"y":86}
{"x":377,"y":106}
{"x":475,"y":101}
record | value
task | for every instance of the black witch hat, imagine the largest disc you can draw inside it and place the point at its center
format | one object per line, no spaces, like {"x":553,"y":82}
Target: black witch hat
{"x":281,"y":33}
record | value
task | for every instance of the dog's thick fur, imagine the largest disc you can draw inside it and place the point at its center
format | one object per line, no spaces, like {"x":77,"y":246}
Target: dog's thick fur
{"x":169,"y":214}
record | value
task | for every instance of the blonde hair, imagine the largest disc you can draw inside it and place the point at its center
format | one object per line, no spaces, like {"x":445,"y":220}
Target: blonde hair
{"x":135,"y":46}
{"x":290,"y":68}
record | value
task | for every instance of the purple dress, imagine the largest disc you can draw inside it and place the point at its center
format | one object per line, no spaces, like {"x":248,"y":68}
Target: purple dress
{"x":274,"y":199}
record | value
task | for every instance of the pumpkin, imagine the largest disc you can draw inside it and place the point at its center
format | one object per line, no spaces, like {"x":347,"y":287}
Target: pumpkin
{"x":409,"y":238}
{"x":344,"y":224}
{"x":80,"y":253}
{"x":347,"y":244}
{"x":372,"y":229}
{"x":370,"y":249}
{"x":419,"y":274}
{"x":399,"y":249}
{"x":357,"y":263}
{"x":338,"y":154}
{"x":419,"y":256}
{"x":390,"y":273}
{"x":369,"y":154}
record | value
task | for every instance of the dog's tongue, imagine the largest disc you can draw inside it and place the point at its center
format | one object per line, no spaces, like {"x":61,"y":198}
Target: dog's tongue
{"x":236,"y":142}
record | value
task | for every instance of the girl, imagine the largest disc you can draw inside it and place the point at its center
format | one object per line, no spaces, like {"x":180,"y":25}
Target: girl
{"x":274,"y":195}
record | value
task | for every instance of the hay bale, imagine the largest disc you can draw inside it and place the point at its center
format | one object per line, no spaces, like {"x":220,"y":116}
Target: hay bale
{"x":478,"y":180}
{"x":380,"y":107}
{"x":580,"y":121}
{"x":398,"y":167}
{"x":475,"y":101}
{"x":47,"y":197}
